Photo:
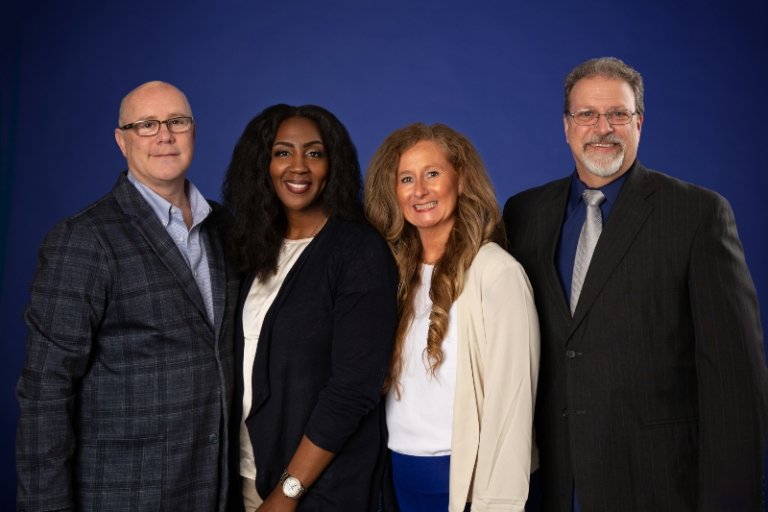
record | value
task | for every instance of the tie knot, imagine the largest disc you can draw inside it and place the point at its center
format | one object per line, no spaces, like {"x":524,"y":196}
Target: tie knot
{"x":593,"y":197}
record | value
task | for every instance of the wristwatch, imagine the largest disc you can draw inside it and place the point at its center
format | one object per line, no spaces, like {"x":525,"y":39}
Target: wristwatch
{"x":291,"y":486}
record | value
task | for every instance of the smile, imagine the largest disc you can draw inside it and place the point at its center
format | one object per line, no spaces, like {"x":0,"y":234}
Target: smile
{"x":297,"y":187}
{"x":425,"y":206}
{"x":601,"y":145}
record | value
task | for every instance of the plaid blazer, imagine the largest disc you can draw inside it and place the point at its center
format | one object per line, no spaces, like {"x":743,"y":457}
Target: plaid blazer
{"x":127,"y":386}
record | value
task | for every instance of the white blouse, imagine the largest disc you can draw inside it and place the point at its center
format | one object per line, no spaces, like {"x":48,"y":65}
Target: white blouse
{"x":420,"y":421}
{"x":258,"y":302}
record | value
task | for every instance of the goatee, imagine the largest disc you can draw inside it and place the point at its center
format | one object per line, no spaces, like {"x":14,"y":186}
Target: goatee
{"x":604,"y":165}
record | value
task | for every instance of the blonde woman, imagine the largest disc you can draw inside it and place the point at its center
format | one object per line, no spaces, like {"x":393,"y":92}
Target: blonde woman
{"x":462,"y":381}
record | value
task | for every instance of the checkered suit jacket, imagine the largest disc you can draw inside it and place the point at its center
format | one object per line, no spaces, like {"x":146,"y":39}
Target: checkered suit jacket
{"x":126,"y":388}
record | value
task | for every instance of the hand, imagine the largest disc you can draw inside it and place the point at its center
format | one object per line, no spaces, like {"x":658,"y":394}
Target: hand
{"x":307,"y":464}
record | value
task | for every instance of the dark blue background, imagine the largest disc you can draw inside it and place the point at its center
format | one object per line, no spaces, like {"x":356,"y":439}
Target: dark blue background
{"x":491,"y":69}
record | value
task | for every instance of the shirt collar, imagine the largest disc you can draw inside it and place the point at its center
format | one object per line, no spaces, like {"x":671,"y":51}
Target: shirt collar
{"x":164,"y":209}
{"x":611,"y":191}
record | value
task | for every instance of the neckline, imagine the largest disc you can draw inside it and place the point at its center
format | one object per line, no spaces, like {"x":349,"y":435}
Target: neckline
{"x":297,"y":241}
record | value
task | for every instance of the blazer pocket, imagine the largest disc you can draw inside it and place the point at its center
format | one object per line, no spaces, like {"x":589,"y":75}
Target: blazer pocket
{"x":121,"y":474}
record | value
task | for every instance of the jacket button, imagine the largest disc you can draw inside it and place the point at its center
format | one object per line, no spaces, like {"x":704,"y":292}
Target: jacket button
{"x":570,"y":354}
{"x":213,"y":438}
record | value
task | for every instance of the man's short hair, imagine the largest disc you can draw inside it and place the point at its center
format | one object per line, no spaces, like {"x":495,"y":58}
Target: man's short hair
{"x":608,"y":67}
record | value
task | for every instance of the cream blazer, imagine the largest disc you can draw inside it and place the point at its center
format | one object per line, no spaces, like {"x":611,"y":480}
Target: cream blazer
{"x":492,"y":449}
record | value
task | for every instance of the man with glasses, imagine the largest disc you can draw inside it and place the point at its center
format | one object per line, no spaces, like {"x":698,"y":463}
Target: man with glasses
{"x":652,"y":389}
{"x":126,"y":388}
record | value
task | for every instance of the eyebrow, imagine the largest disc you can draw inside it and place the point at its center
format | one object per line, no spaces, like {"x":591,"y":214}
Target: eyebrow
{"x":608,"y":109}
{"x":430,"y":167}
{"x":157,"y":118}
{"x":291,"y":144}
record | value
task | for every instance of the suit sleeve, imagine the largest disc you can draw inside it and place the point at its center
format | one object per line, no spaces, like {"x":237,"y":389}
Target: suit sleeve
{"x":364,"y":321}
{"x":730,"y":364}
{"x":511,"y":367}
{"x":68,"y":296}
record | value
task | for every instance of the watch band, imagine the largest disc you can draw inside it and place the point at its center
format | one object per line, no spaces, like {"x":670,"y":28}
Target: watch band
{"x":291,"y":486}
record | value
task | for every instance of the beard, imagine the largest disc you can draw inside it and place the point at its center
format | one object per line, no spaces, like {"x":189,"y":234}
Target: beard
{"x":604,"y":165}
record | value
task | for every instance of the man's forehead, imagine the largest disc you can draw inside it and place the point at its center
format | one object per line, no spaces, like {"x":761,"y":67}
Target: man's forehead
{"x":600,"y":82}
{"x":155,"y":100}
{"x":601,"y":88}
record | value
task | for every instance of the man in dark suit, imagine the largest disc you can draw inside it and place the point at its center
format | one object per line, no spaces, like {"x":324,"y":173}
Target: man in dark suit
{"x":652,"y":389}
{"x":127,"y":385}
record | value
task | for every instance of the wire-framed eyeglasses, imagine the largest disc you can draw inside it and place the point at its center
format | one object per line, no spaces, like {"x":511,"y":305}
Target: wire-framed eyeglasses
{"x":590,"y":117}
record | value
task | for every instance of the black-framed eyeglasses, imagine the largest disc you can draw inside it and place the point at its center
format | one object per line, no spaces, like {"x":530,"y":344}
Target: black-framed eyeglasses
{"x":150,"y":127}
{"x":590,"y":117}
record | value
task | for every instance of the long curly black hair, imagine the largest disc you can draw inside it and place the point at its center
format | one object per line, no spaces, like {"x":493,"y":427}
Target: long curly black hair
{"x":255,"y":234}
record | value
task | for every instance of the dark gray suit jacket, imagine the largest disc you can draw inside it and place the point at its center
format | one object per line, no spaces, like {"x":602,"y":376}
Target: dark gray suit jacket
{"x":126,"y":389}
{"x":652,"y":397}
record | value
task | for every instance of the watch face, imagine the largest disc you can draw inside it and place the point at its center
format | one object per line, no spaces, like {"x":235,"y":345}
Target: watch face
{"x":292,"y":487}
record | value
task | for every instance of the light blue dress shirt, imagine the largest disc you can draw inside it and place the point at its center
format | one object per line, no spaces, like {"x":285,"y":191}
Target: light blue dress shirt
{"x":189,"y":241}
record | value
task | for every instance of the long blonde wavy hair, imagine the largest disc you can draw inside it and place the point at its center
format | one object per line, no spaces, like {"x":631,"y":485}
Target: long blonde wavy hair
{"x":477,"y":221}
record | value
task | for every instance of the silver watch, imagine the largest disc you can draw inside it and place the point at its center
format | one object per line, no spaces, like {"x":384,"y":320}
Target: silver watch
{"x":291,"y":486}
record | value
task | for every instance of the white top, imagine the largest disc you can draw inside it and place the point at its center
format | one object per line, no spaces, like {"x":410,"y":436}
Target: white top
{"x":258,"y":302}
{"x":419,"y":423}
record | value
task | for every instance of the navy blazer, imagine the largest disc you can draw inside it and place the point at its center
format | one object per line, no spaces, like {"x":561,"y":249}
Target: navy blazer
{"x":126,"y":389}
{"x":652,"y":397}
{"x":321,"y":359}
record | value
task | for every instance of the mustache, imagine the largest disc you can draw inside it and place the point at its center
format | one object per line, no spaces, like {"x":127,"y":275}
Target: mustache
{"x":606,"y":139}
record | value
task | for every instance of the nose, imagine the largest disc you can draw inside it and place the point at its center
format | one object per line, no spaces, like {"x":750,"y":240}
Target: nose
{"x":419,"y":187}
{"x":298,"y":165}
{"x":164,"y":134}
{"x":603,"y":126}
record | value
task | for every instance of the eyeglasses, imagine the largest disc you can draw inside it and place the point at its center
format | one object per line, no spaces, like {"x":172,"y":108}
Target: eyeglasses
{"x":590,"y":117}
{"x":150,"y":127}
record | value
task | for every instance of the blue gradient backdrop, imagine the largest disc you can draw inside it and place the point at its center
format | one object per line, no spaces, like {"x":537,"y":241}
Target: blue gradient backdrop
{"x":491,"y":69}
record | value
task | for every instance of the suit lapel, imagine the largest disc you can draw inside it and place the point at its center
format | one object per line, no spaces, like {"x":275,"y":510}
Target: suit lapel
{"x":551,"y":214}
{"x":626,"y":219}
{"x":217,"y":269}
{"x":158,"y":239}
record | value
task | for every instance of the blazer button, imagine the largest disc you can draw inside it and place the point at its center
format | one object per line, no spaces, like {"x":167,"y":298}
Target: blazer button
{"x":570,"y":354}
{"x":213,"y":438}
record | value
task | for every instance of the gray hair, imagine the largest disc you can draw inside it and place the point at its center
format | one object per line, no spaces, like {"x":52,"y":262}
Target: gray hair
{"x":608,"y":67}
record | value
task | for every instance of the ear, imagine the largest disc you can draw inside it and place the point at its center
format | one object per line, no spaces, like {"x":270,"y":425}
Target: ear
{"x":120,"y":139}
{"x":565,"y":126}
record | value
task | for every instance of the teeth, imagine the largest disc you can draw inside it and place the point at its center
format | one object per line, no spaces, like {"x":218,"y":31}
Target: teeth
{"x":297,"y":187}
{"x":427,"y":206}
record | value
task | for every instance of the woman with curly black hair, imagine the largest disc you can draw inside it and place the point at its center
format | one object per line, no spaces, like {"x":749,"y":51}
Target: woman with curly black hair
{"x":317,"y":314}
